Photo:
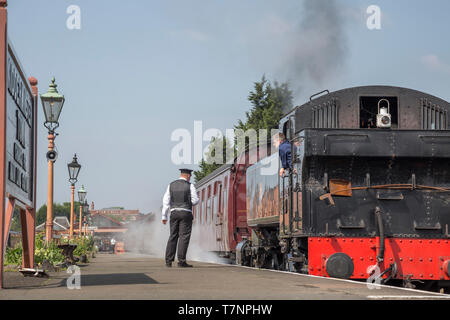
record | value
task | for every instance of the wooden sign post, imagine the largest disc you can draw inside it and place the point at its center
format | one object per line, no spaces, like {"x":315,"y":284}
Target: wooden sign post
{"x":18,"y":132}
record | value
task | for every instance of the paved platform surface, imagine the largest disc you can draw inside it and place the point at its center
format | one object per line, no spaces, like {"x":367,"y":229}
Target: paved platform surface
{"x":131,"y":276}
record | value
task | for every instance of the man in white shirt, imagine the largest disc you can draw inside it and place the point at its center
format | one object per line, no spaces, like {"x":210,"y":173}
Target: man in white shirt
{"x":178,"y":200}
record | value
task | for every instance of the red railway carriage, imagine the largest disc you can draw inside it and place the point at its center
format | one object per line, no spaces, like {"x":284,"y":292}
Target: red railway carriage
{"x":221,"y":214}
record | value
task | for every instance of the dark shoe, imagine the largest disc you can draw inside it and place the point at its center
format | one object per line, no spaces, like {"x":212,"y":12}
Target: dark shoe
{"x":184,"y":265}
{"x":169,"y":264}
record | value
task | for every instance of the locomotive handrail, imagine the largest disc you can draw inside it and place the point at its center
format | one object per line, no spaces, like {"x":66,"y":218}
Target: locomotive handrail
{"x":387,"y":186}
{"x":388,"y":103}
{"x":319,"y":93}
{"x":380,"y":255}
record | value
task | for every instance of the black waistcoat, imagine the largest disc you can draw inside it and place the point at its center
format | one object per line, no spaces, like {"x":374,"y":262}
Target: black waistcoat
{"x":180,"y":194}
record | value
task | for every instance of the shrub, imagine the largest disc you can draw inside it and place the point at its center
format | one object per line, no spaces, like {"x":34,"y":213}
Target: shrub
{"x":49,"y":252}
{"x":85,"y":245}
{"x":13,"y":256}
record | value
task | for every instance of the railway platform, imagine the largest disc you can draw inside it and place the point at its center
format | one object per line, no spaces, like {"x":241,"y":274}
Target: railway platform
{"x":134,"y":276}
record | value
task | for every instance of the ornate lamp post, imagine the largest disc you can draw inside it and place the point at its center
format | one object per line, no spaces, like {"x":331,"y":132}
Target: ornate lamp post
{"x":52,"y":103}
{"x":86,"y":212}
{"x":74,"y":169}
{"x":82,"y":199}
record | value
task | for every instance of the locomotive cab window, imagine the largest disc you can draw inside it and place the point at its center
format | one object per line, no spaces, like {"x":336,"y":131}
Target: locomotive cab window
{"x":287,"y":130}
{"x":378,"y":112}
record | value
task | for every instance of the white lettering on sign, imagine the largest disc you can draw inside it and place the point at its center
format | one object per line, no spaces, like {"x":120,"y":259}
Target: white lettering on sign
{"x":18,"y":91}
{"x":20,"y":122}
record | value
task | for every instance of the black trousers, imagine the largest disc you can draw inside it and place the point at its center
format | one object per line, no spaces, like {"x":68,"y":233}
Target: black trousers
{"x":180,"y":233}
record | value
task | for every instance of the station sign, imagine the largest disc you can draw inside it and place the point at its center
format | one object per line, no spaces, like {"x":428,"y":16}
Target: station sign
{"x":18,"y":112}
{"x":20,"y":132}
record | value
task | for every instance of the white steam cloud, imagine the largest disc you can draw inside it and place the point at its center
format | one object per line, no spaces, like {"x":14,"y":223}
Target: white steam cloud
{"x":151,"y":237}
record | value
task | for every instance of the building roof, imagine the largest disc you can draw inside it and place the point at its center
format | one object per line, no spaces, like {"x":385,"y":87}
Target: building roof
{"x":101,"y":220}
{"x":60,"y":223}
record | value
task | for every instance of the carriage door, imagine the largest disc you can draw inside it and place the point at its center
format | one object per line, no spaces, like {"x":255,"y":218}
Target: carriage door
{"x":285,"y":185}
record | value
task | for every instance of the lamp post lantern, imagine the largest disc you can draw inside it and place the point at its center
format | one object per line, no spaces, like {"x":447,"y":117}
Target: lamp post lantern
{"x":52,"y":103}
{"x":74,"y":169}
{"x":82,"y":199}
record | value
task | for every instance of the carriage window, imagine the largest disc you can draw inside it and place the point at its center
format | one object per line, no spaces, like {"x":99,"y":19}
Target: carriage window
{"x":287,"y":131}
{"x":200,"y":207}
{"x":208,"y":214}
{"x":216,"y":207}
{"x":205,"y":199}
{"x":220,"y":198}
{"x":225,"y":198}
{"x":204,"y":210}
{"x":208,"y":205}
{"x":225,"y":202}
{"x":368,"y":111}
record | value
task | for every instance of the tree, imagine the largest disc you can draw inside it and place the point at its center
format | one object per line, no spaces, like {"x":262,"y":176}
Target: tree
{"x":58,"y":210}
{"x":212,"y":160}
{"x":269,"y":102}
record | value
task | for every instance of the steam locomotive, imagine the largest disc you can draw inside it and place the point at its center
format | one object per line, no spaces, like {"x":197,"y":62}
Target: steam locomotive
{"x":368,"y":195}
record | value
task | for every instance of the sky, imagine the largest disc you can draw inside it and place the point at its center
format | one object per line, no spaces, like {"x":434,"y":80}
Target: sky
{"x":136,"y":71}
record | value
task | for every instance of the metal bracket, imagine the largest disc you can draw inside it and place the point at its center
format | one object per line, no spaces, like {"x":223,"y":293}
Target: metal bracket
{"x":348,"y":135}
{"x":361,"y":225}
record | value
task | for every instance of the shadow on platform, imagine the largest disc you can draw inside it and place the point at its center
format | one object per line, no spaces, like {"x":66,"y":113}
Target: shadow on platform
{"x":113,"y":279}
